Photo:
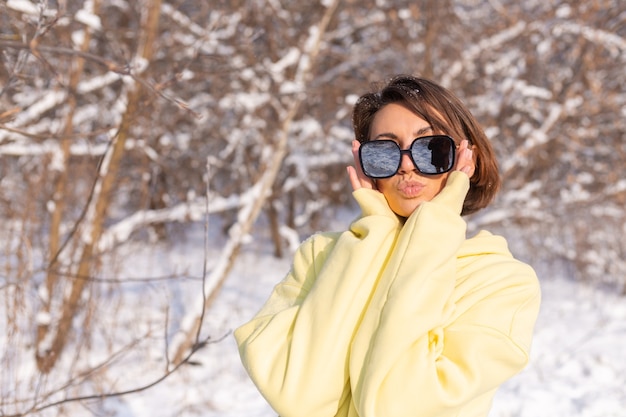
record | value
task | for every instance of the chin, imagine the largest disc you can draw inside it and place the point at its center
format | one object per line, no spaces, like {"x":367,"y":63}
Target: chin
{"x":406,"y":211}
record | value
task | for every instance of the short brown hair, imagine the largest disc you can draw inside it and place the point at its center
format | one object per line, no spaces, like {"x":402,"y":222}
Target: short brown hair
{"x":446,"y":114}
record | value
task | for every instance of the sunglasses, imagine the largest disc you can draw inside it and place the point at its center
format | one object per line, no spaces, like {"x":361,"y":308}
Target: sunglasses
{"x":431,"y":155}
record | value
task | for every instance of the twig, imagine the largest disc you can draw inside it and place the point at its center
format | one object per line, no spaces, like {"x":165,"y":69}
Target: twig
{"x":36,"y":49}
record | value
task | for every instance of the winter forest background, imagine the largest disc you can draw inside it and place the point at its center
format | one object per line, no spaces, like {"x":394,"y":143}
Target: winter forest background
{"x":160,"y":160}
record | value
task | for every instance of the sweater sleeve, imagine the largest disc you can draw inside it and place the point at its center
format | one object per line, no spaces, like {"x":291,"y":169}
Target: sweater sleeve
{"x":296,"y":348}
{"x":420,"y":356}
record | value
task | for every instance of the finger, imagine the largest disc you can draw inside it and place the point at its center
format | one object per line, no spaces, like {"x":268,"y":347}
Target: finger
{"x":465,"y":161}
{"x":355,"y":155}
{"x":354,"y":178}
{"x":471,"y":164}
{"x":458,"y":164}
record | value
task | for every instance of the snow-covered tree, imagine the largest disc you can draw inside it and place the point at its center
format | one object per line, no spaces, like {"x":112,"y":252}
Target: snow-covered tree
{"x":122,"y":121}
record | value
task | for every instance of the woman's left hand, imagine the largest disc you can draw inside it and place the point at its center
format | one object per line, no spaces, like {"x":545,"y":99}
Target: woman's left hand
{"x":355,"y":173}
{"x":465,"y":159}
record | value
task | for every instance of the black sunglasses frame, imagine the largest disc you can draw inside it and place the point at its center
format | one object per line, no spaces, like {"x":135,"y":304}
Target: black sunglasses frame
{"x":451,"y":156}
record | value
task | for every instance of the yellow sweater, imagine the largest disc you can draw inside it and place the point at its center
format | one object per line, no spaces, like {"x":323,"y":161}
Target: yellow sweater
{"x":393,"y":318}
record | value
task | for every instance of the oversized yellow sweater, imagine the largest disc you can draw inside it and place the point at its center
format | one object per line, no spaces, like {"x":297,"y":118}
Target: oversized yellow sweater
{"x":393,"y":318}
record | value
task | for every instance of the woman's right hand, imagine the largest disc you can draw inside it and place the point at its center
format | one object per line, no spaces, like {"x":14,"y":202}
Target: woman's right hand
{"x":355,"y":173}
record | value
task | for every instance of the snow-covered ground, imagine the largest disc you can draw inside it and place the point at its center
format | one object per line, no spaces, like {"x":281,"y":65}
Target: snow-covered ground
{"x":578,"y":366}
{"x":577,"y":369}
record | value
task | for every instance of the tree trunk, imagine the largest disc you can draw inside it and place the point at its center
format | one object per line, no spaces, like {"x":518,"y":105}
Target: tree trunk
{"x":99,"y":206}
{"x":192,"y":322}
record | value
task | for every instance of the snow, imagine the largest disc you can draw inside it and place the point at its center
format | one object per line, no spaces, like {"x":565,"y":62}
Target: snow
{"x":615,"y":44}
{"x":97,"y":82}
{"x":492,"y":42}
{"x":577,"y":364}
{"x":24,"y":6}
{"x":249,"y":101}
{"x":89,"y":19}
{"x":618,"y":187}
{"x":44,"y":103}
{"x":43,"y":318}
{"x":291,"y":58}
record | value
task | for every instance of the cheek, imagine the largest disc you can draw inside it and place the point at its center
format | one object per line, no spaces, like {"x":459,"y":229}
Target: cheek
{"x":438,"y":185}
{"x":384,"y":185}
{"x":442,"y":182}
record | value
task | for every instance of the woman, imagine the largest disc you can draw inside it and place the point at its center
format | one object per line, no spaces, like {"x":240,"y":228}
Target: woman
{"x":400,"y":315}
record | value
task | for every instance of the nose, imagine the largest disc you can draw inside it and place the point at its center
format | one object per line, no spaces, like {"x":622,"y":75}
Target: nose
{"x":406,"y":163}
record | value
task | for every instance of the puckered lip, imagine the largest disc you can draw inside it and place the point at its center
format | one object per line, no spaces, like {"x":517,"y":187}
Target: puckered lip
{"x":410,"y":188}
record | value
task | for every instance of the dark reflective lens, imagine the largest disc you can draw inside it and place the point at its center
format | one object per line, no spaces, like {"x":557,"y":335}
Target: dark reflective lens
{"x":431,"y":155}
{"x":434,"y":155}
{"x":380,"y":158}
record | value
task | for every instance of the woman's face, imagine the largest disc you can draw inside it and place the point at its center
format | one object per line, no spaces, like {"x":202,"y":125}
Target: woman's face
{"x":406,"y":190}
